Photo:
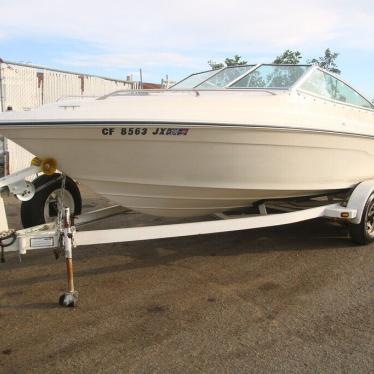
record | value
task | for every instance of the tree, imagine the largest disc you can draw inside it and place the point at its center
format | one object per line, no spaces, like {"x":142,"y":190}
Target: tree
{"x":235,"y":61}
{"x":215,"y":65}
{"x":327,"y":61}
{"x":288,"y":57}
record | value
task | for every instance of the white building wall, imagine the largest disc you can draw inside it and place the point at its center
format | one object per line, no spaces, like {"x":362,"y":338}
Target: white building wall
{"x":24,"y":87}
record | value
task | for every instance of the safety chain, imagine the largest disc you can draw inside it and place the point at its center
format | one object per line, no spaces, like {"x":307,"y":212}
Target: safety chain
{"x":60,"y":204}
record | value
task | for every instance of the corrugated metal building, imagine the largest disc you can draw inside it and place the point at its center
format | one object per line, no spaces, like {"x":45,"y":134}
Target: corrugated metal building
{"x":23,"y":87}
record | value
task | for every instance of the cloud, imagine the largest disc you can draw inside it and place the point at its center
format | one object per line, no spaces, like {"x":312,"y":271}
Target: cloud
{"x":128,"y":60}
{"x":194,"y":25}
{"x":185,"y":34}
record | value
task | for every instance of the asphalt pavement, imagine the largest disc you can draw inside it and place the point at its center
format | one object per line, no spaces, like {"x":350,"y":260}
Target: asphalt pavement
{"x":288,"y":299}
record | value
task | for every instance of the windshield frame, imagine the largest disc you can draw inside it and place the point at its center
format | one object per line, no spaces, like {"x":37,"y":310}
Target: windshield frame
{"x":296,"y":86}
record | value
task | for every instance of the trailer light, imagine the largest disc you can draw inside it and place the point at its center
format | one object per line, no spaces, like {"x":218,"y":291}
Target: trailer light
{"x":344,"y":214}
{"x":36,"y":161}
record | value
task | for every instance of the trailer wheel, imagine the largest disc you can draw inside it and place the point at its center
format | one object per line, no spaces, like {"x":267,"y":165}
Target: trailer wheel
{"x":43,"y":207}
{"x":363,"y":233}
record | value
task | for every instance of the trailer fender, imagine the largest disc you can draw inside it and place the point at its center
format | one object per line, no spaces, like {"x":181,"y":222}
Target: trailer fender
{"x":359,"y":197}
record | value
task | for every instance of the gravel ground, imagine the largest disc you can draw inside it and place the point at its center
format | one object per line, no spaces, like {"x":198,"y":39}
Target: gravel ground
{"x":290,"y":299}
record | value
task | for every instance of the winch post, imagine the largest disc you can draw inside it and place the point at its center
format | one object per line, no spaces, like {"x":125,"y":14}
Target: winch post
{"x":3,"y":225}
{"x":3,"y":216}
{"x":69,"y":298}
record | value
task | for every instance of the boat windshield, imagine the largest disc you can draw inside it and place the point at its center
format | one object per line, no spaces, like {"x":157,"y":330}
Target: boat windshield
{"x":327,"y":86}
{"x":225,"y":76}
{"x":213,"y":78}
{"x":263,"y":76}
{"x":194,"y":80}
{"x":271,"y":76}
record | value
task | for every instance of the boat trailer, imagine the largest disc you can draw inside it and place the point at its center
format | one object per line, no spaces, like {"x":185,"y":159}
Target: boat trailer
{"x":62,"y":235}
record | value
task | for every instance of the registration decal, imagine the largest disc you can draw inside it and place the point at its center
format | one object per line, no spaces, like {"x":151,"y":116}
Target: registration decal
{"x":141,"y":131}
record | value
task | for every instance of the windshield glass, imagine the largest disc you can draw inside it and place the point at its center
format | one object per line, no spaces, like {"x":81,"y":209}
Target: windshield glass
{"x":271,"y":76}
{"x":225,"y":76}
{"x":323,"y":84}
{"x":194,"y":79}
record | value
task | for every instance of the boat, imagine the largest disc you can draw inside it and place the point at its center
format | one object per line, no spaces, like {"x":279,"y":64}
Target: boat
{"x":216,"y":141}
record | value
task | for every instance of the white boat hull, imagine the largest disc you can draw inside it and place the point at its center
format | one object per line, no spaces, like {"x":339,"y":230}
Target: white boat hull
{"x":205,"y":169}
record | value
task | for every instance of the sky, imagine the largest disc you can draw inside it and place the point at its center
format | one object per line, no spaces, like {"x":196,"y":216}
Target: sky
{"x":116,"y":38}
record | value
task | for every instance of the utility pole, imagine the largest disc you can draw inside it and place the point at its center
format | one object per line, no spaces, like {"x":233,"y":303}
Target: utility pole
{"x":1,"y":87}
{"x":141,"y":78}
{"x":3,"y":140}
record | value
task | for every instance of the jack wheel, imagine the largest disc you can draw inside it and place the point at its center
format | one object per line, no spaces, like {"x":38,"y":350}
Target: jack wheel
{"x":69,"y":299}
{"x":363,"y":233}
{"x":43,"y":207}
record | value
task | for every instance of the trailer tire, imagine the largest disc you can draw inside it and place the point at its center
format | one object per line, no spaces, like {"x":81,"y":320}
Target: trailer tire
{"x":42,"y":208}
{"x":363,"y":232}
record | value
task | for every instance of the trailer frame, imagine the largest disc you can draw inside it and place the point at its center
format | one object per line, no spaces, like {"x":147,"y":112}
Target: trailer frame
{"x":64,"y":235}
